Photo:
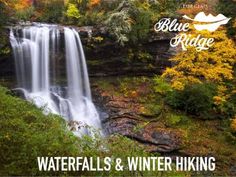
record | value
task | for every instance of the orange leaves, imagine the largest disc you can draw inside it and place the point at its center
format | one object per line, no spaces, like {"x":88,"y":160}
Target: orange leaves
{"x":22,"y":4}
{"x":15,"y":5}
{"x":94,"y":3}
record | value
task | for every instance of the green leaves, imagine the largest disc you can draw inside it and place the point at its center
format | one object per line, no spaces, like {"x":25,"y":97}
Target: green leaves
{"x":26,"y":133}
{"x":119,"y":25}
{"x":132,"y":20}
{"x":195,"y":99}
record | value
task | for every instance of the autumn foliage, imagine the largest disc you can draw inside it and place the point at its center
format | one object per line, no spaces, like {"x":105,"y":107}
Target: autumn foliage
{"x":23,"y":4}
{"x":94,"y":3}
{"x":212,"y":65}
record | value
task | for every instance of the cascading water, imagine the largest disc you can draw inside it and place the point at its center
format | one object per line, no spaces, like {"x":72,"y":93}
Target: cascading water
{"x":35,"y":51}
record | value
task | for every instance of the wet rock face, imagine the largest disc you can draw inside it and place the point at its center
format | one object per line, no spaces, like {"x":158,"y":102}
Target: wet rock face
{"x":116,"y":60}
{"x":124,"y":119}
{"x":102,"y":51}
{"x":155,"y":139}
{"x":6,"y":58}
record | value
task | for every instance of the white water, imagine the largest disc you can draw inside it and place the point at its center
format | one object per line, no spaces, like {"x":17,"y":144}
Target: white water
{"x":35,"y":48}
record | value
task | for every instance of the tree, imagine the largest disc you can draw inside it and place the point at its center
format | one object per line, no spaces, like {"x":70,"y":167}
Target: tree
{"x":21,"y":5}
{"x":214,"y":65}
{"x":2,"y":15}
{"x":94,"y":3}
{"x":119,"y":25}
{"x":72,"y":12}
{"x":49,"y":11}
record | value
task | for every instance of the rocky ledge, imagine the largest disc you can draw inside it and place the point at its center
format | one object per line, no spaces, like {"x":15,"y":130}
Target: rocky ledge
{"x":123,"y":117}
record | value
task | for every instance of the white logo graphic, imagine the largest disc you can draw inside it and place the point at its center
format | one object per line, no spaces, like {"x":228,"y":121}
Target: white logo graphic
{"x":212,"y":23}
{"x":185,"y":40}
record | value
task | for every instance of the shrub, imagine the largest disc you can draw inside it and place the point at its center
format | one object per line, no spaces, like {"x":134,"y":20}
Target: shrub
{"x":161,"y":86}
{"x":131,"y":21}
{"x":26,"y":133}
{"x":196,"y":99}
{"x":213,"y":65}
{"x":232,"y":100}
{"x":92,"y":18}
{"x":173,"y":119}
{"x":49,"y":11}
{"x":72,"y":12}
{"x":25,"y":14}
{"x":141,"y":25}
{"x":119,"y":25}
{"x":113,"y":147}
{"x":3,"y":15}
{"x":227,"y":8}
{"x":225,"y":100}
{"x":226,"y":109}
{"x":109,"y":5}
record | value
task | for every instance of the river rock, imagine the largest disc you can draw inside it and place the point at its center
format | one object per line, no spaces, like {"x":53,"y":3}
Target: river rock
{"x":21,"y":93}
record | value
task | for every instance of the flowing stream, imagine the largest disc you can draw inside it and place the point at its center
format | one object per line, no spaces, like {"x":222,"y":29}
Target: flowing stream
{"x":35,"y":50}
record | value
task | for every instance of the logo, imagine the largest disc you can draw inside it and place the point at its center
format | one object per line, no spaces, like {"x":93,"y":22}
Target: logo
{"x":212,"y":23}
{"x":201,"y":22}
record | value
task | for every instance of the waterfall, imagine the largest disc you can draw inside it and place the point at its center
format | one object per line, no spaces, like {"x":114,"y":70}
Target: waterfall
{"x":36,"y":50}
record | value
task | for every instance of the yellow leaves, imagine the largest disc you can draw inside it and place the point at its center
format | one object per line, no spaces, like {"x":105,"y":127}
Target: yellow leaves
{"x":134,"y":94}
{"x":72,"y":11}
{"x":23,"y":4}
{"x":214,"y":65}
{"x":171,"y":72}
{"x":178,"y":85}
{"x":98,"y":39}
{"x":192,"y":79}
{"x":222,"y":95}
{"x":217,"y":73}
{"x":233,"y":125}
{"x":146,"y":5}
{"x":218,"y":100}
